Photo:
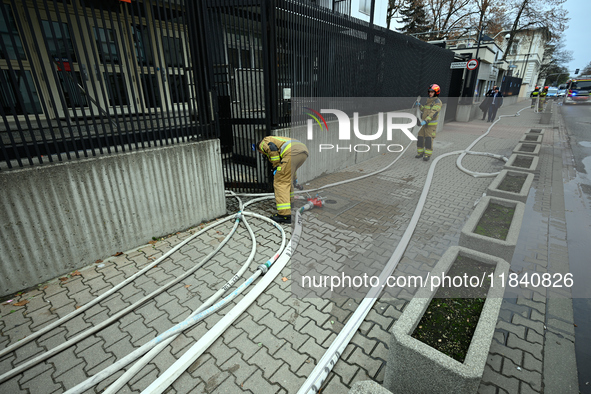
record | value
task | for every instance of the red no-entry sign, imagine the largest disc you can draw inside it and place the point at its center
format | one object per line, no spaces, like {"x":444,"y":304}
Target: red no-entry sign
{"x":472,"y":64}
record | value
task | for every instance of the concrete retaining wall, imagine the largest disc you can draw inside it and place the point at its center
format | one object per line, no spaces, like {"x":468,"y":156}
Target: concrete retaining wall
{"x":59,"y":217}
{"x":466,"y":113}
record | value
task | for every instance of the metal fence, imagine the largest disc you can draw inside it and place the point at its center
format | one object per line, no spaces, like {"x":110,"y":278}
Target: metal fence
{"x":85,"y":77}
{"x":265,"y":52}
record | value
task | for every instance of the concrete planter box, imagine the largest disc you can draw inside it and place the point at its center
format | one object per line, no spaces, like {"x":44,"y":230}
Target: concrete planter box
{"x":519,"y":149}
{"x":415,"y":367}
{"x":531,"y":138}
{"x":496,"y":247}
{"x":494,"y":191}
{"x":533,"y":166}
{"x":536,"y":131}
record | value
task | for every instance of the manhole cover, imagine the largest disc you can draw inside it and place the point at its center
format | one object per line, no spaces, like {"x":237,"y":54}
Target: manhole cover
{"x":330,"y":201}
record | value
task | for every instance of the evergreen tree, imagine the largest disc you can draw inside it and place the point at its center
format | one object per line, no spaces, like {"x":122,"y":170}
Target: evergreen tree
{"x":414,"y":18}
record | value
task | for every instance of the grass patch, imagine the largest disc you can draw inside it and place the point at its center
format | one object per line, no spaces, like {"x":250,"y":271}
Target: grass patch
{"x":523,"y":161}
{"x":512,"y":183}
{"x":527,"y":148}
{"x":495,"y":221}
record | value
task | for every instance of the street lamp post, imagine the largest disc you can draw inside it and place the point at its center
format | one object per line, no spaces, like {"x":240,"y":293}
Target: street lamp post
{"x":473,"y":78}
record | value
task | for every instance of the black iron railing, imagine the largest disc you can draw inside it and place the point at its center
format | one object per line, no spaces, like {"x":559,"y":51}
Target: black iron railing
{"x":85,"y":77}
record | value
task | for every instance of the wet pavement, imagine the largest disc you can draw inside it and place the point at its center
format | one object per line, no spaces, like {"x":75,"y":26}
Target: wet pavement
{"x":274,"y":345}
{"x":576,"y":121}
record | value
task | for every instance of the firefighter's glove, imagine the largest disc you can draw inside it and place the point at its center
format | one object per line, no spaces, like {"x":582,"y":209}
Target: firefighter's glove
{"x":423,"y":122}
{"x":273,"y":147}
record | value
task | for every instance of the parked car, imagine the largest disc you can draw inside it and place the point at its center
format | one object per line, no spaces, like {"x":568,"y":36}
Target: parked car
{"x":578,"y":90}
{"x":552,"y":92}
{"x":561,"y":90}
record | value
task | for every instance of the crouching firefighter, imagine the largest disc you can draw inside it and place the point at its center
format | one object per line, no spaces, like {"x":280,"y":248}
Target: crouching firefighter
{"x":286,"y":156}
{"x":429,"y":115}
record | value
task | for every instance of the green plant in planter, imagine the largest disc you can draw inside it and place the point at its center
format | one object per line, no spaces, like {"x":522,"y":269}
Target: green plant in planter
{"x":452,"y":315}
{"x":496,"y":221}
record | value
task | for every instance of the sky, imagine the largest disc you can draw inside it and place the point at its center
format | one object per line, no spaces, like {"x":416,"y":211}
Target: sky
{"x":576,"y":36}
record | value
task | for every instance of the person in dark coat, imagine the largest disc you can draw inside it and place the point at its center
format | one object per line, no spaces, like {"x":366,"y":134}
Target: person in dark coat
{"x":496,"y":101}
{"x":486,"y":102}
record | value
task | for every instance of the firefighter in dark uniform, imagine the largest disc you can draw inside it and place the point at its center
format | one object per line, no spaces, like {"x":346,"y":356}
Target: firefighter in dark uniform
{"x":534,"y":96}
{"x":429,"y":116}
{"x":286,"y":156}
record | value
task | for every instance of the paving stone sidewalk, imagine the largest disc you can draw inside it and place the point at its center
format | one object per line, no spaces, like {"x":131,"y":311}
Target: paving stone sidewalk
{"x":276,"y":343}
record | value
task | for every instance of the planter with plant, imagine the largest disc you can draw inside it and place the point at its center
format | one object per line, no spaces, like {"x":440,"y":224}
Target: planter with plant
{"x":493,"y":227}
{"x":512,"y":185}
{"x":444,"y":334}
{"x":527,"y":149}
{"x":519,"y":162}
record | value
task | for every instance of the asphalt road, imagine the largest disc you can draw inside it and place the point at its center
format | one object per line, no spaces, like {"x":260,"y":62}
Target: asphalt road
{"x":577,"y":191}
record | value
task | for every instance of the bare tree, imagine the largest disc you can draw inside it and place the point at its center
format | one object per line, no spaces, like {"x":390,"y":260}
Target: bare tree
{"x":394,"y":7}
{"x":586,"y":70}
{"x":448,"y":15}
{"x":531,"y":14}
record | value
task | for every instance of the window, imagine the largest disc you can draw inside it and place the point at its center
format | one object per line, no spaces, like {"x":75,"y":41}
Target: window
{"x":514,"y":48}
{"x":150,"y":90}
{"x":365,"y":7}
{"x":69,"y":82}
{"x":179,"y":89}
{"x":12,"y":88}
{"x":116,"y":89}
{"x":173,"y":51}
{"x":141,"y":41}
{"x":11,"y":46}
{"x":59,"y":43}
{"x":106,"y":43}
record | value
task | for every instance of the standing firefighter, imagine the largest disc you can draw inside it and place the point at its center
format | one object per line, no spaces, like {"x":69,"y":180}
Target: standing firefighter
{"x":429,"y":116}
{"x":534,"y":96}
{"x":543,"y":99}
{"x":286,"y":155}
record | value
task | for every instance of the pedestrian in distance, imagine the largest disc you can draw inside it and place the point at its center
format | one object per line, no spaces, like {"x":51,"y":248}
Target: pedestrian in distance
{"x":534,"y":96}
{"x":286,"y":155}
{"x":429,"y":116}
{"x":486,"y":102}
{"x":495,"y":103}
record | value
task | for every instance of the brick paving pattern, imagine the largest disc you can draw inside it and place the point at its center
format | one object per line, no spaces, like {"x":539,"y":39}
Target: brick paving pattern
{"x":276,"y":343}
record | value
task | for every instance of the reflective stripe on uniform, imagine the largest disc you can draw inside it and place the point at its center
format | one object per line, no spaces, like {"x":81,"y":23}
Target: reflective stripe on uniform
{"x":420,"y":150}
{"x":283,"y":206}
{"x":432,"y":123}
{"x":274,"y":158}
{"x":284,"y":147}
{"x":428,"y":152}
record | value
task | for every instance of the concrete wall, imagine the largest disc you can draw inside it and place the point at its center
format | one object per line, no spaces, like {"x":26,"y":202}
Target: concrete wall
{"x":466,"y":113}
{"x":56,"y":218}
{"x":329,"y":161}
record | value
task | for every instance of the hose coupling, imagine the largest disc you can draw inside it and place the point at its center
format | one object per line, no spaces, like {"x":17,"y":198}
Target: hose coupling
{"x":264,"y":268}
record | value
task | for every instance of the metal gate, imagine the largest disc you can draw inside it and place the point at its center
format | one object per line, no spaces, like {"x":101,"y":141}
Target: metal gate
{"x":82,"y":78}
{"x":265,"y":52}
